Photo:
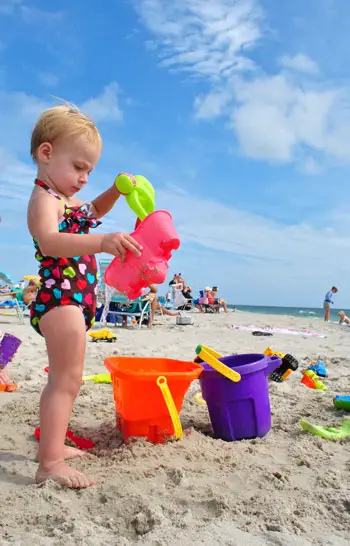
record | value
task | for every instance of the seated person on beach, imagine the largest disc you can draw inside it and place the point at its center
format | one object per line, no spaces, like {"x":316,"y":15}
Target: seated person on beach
{"x":5,"y":288}
{"x":219,"y":301}
{"x":187,"y":293}
{"x":343,"y":318}
{"x":30,"y":291}
{"x":205,"y":300}
{"x":156,"y":306}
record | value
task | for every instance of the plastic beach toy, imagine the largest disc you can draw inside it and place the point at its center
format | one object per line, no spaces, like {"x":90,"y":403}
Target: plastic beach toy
{"x":98,"y":378}
{"x":342,"y":402}
{"x":81,"y":443}
{"x":144,"y":407}
{"x":163,"y":385}
{"x":310,"y":379}
{"x":211,"y":357}
{"x":328,"y":433}
{"x":103,"y":335}
{"x":239,"y":410}
{"x":8,"y":348}
{"x":139,"y":193}
{"x":8,"y":387}
{"x":158,"y":238}
{"x":319,"y":368}
{"x":289,"y":365}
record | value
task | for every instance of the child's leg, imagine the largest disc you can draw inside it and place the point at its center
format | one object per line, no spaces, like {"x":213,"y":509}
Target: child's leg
{"x":64,"y":331}
{"x":327,"y":313}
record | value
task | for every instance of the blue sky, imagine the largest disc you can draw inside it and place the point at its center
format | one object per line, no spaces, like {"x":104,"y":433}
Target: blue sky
{"x":238,"y":112}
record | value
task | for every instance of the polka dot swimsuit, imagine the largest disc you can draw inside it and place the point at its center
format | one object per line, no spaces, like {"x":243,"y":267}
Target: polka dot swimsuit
{"x":67,"y":281}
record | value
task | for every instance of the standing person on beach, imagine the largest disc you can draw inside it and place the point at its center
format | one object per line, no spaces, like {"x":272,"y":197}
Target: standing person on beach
{"x":328,"y":301}
{"x":66,"y":146}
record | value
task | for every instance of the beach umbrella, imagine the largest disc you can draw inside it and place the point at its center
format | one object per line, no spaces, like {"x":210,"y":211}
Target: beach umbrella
{"x":5,"y":278}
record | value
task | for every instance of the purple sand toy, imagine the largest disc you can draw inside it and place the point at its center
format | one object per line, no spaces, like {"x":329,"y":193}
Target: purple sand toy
{"x":239,"y":410}
{"x":8,"y":347}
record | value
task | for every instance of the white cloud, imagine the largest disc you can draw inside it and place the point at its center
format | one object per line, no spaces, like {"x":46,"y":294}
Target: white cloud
{"x":204,"y":38}
{"x":47,"y":79}
{"x":15,"y":178}
{"x":299,"y":62}
{"x":275,"y":117}
{"x":19,"y":111}
{"x":106,"y":106}
{"x":212,"y":105}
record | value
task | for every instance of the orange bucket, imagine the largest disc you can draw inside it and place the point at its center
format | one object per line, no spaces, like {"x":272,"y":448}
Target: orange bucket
{"x":140,"y":405}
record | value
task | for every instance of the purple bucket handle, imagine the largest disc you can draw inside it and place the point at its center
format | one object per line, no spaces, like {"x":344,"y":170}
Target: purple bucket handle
{"x":273,"y":362}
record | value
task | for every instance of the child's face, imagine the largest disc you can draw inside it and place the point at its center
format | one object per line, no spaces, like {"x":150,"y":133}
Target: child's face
{"x":69,"y":162}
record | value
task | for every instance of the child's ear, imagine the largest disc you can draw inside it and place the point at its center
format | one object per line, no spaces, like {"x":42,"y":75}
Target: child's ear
{"x":44,"y":152}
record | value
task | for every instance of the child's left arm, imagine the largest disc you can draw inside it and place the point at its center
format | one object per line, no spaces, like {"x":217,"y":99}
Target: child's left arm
{"x":104,"y":202}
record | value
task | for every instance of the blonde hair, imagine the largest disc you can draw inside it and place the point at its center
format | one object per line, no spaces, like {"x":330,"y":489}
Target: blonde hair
{"x":62,"y":120}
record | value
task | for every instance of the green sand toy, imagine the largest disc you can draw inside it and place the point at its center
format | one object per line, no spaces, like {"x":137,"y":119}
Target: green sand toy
{"x":139,"y":193}
{"x":328,"y":433}
{"x":99,"y":378}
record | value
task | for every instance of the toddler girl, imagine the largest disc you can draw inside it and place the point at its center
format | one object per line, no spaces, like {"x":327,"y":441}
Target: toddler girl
{"x":66,"y":146}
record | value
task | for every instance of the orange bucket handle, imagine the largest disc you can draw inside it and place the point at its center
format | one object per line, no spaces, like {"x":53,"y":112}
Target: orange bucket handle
{"x":163,"y":385}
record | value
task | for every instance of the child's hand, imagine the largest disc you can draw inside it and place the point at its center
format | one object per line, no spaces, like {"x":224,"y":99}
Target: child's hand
{"x":117,"y":244}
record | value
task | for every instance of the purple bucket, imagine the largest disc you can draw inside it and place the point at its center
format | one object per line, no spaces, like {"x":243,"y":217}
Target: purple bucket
{"x":8,"y":347}
{"x":240,"y":410}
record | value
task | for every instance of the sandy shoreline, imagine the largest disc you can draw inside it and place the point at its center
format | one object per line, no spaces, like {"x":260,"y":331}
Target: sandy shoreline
{"x":290,"y":488}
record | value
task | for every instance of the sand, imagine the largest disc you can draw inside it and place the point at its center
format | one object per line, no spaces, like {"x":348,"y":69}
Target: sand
{"x":290,"y":488}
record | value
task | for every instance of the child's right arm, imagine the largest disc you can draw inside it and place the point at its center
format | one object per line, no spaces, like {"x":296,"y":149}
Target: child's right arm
{"x":43,"y":216}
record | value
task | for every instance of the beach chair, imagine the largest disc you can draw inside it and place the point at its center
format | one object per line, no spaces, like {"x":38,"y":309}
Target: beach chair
{"x":8,"y":303}
{"x":179,"y":300}
{"x":204,"y":303}
{"x":116,"y":304}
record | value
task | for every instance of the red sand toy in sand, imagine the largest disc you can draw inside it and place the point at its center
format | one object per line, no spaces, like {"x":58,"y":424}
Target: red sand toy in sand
{"x":81,"y":443}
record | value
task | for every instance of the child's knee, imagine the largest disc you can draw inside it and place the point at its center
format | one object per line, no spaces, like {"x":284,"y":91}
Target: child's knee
{"x":68,"y":382}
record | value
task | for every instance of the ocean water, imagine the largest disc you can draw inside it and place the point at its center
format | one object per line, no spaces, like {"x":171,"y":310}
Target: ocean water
{"x":316,"y":313}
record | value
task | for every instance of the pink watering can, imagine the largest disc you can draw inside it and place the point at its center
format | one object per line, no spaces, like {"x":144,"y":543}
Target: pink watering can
{"x":156,"y":233}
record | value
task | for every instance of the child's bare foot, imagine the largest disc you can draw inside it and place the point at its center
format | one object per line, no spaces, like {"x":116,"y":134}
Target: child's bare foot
{"x":63,"y":475}
{"x":74,"y":452}
{"x":70,"y":453}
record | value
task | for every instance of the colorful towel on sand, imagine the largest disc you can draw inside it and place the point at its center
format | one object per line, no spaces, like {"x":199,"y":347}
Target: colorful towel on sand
{"x":8,"y":347}
{"x":290,"y":331}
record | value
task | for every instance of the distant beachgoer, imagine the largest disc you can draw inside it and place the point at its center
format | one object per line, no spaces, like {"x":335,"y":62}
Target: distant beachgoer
{"x":220,"y":301}
{"x":30,"y":291}
{"x":156,"y":306}
{"x":173,"y":280}
{"x":328,"y":301}
{"x":343,"y":318}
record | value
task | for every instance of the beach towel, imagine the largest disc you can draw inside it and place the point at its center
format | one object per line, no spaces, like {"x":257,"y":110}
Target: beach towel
{"x":290,"y":331}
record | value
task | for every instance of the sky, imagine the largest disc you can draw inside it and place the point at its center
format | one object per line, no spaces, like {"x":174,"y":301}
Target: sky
{"x":237,"y":111}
